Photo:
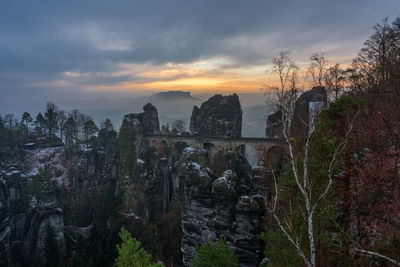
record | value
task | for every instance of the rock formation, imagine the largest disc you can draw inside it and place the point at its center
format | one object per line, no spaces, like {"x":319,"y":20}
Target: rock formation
{"x":33,"y":194}
{"x":218,"y":116}
{"x":304,"y":108}
{"x":175,"y":198}
{"x":230,"y":206}
{"x":24,"y":219}
{"x":146,"y":122}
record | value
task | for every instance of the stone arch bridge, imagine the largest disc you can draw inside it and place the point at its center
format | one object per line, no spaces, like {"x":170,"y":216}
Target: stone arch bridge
{"x":269,"y":150}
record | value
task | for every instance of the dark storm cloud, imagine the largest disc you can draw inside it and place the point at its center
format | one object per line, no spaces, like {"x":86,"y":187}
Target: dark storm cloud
{"x":41,"y":40}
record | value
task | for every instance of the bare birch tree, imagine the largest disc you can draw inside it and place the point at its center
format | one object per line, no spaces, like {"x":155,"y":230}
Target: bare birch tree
{"x":316,"y":69}
{"x":286,"y":91}
{"x":287,"y":96}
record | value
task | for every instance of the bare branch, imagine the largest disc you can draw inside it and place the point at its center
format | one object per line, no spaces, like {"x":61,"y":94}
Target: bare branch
{"x":377,"y":255}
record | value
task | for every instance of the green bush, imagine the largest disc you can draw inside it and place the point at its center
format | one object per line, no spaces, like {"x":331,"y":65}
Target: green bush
{"x":215,"y":255}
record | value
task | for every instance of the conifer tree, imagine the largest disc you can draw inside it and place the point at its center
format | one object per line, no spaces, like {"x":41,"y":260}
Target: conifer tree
{"x":131,"y":253}
{"x":51,"y":250}
{"x":40,"y":124}
{"x":26,"y":117}
{"x":51,"y":118}
{"x":89,"y":128}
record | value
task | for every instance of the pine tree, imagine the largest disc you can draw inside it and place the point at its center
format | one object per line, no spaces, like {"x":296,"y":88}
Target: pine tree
{"x":51,"y":118}
{"x":71,"y":131}
{"x":51,"y":250}
{"x":26,"y":117}
{"x":40,"y":124}
{"x":131,"y":253}
{"x":90,"y":128}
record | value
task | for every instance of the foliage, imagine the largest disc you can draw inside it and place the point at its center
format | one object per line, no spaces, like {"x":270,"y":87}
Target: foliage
{"x":51,"y":250}
{"x":37,"y":185}
{"x":51,"y":119}
{"x":130,"y":253}
{"x":71,"y":131}
{"x":375,"y":176}
{"x":278,"y":249}
{"x":317,"y":157}
{"x":215,"y":255}
{"x":99,"y":249}
{"x":89,"y":128}
{"x":98,"y":207}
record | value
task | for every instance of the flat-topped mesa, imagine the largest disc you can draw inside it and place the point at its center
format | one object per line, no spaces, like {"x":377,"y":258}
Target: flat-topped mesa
{"x":306,"y":105}
{"x":146,"y":122}
{"x":219,"y":116}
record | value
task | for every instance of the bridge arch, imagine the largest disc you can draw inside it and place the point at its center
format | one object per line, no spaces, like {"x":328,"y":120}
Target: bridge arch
{"x":250,"y":153}
{"x":274,"y":157}
{"x":269,"y":152}
{"x":208,"y":146}
{"x":180,"y":146}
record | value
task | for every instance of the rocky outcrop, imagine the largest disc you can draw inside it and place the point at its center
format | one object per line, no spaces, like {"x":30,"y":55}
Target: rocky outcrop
{"x":24,"y":217}
{"x":34,"y":191}
{"x":274,"y":125}
{"x":306,"y":106}
{"x":230,"y":206}
{"x":146,"y":122}
{"x":149,"y":119}
{"x":218,"y":116}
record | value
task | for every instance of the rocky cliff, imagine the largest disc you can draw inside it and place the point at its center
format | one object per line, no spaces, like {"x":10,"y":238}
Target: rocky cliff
{"x":24,"y":212}
{"x":174,"y":198}
{"x":50,"y":186}
{"x":218,"y":116}
{"x":230,"y":206}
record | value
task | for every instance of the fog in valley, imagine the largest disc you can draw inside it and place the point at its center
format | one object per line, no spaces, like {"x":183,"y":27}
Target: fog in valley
{"x":171,"y":106}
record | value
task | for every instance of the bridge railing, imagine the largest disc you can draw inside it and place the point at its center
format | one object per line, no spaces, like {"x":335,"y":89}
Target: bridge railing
{"x":208,"y":139}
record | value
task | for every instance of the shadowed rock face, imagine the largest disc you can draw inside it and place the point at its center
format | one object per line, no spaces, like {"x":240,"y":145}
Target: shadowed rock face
{"x":24,"y":220}
{"x":317,"y":95}
{"x":303,"y":109}
{"x":231,"y":206}
{"x":24,"y":213}
{"x":219,"y":116}
{"x":146,"y":122}
{"x":274,"y":125}
{"x":149,"y":119}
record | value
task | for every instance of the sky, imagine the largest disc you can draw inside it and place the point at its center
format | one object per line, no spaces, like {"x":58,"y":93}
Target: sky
{"x":71,"y":51}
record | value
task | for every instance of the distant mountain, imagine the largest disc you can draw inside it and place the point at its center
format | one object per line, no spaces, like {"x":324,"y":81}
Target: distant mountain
{"x":175,"y":95}
{"x":171,"y":105}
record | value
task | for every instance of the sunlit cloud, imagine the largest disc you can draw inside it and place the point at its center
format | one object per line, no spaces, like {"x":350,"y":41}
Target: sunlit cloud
{"x":62,"y":48}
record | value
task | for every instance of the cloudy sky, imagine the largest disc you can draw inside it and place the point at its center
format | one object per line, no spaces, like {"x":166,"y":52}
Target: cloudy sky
{"x":72,"y":50}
